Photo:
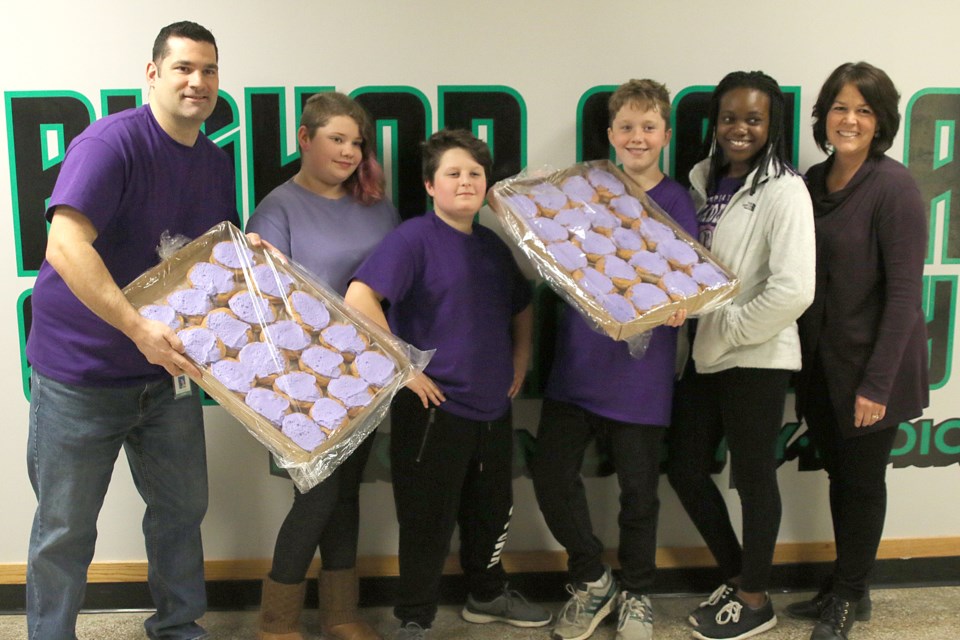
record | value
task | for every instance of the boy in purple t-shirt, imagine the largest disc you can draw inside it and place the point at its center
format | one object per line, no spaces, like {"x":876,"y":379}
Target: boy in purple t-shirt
{"x":453,"y":286}
{"x":597,"y":389}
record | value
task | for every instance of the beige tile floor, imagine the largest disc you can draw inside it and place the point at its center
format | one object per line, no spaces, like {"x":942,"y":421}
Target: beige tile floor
{"x":898,"y":614}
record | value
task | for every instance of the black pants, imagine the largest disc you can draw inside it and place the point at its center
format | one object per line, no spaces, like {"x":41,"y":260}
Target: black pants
{"x":448,"y":470}
{"x":857,"y":469}
{"x":745,"y":406}
{"x":564,"y":433}
{"x":325,"y":517}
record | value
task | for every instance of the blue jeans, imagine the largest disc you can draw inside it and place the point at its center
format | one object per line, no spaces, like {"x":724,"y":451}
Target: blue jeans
{"x":75,"y":437}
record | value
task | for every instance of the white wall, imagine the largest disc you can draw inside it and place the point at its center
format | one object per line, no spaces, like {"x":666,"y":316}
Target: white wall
{"x":550,"y":53}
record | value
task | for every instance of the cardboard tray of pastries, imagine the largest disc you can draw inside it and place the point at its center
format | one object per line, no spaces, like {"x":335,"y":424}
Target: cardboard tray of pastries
{"x":609,"y":250}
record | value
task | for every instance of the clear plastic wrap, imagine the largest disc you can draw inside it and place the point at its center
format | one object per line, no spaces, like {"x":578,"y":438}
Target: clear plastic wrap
{"x":307,"y":376}
{"x":608,"y":250}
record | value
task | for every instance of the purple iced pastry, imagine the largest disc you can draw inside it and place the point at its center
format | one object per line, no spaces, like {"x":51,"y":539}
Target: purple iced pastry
{"x":252,"y":308}
{"x":375,"y":368}
{"x":595,"y":283}
{"x":234,"y":333}
{"x":602,"y":220}
{"x":309,"y":311}
{"x":617,"y":269}
{"x":328,"y":413}
{"x":654,"y":231}
{"x":201,"y":345}
{"x":353,"y":392}
{"x":213,"y":279}
{"x":190,"y":302}
{"x":707,"y":275}
{"x":272,"y":282}
{"x":627,"y":206}
{"x":162,"y":313}
{"x":568,"y":256}
{"x":575,"y":220}
{"x":549,"y":230}
{"x":298,"y":386}
{"x":679,"y":285}
{"x":578,"y":189}
{"x":233,"y":374}
{"x":597,"y":244}
{"x":322,"y":361}
{"x":548,"y":197}
{"x":646,"y":296}
{"x":627,"y":239}
{"x":304,"y":432}
{"x":286,"y":334}
{"x":268,"y":404}
{"x":264,"y":359}
{"x":522,"y":205}
{"x":677,"y":252}
{"x":649,"y":262}
{"x":344,"y":338}
{"x":618,"y":307}
{"x":607,"y":181}
{"x":232,"y":256}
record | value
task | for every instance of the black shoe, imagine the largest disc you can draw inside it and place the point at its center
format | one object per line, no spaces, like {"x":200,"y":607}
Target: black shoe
{"x":736,"y":621}
{"x":812,"y":609}
{"x":836,"y":621}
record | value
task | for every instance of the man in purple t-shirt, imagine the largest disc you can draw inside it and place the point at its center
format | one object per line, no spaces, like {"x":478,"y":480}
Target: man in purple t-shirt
{"x":102,"y":373}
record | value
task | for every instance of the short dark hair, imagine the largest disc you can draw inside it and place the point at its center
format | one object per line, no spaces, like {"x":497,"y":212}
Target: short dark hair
{"x":446,"y":139}
{"x":877,"y":89}
{"x":183,"y":29}
{"x":644,"y":94}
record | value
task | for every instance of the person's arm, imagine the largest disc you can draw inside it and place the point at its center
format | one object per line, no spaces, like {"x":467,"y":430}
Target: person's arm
{"x":71,"y":253}
{"x":364,"y":299}
{"x":522,"y":329}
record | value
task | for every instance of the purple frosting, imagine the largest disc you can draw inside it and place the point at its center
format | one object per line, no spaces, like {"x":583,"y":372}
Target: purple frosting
{"x":595,"y":283}
{"x":233,"y":374}
{"x":322,"y":360}
{"x":548,"y":196}
{"x":344,"y":338}
{"x":646,"y":296}
{"x":213,"y":279}
{"x":299,"y":385}
{"x":161,"y":313}
{"x":578,"y":189}
{"x":618,"y":268}
{"x":200,"y":345}
{"x":549,"y":230}
{"x":232,"y":256}
{"x":272,"y":282}
{"x":649,"y":262}
{"x":595,"y":243}
{"x":328,"y":413}
{"x":312,"y":312}
{"x":602,"y":219}
{"x":522,"y":205}
{"x":251,"y":308}
{"x":234,"y":333}
{"x":286,"y":334}
{"x":708,"y":275}
{"x":568,"y":255}
{"x":627,"y":239}
{"x":603,"y":179}
{"x":190,"y":302}
{"x":627,"y":206}
{"x":305,"y":433}
{"x":678,"y":283}
{"x":264,"y":359}
{"x":351,"y":391}
{"x":576,"y":220}
{"x":618,"y":307}
{"x":654,"y":231}
{"x":375,"y":368}
{"x":268,"y":404}
{"x":678,"y":251}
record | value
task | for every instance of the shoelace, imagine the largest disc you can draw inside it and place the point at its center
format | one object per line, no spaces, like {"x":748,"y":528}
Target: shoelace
{"x":512,"y":596}
{"x":729,"y":612}
{"x":718,"y":594}
{"x":413,"y":631}
{"x":577,"y":604}
{"x":633,"y":608}
{"x":838,"y":611}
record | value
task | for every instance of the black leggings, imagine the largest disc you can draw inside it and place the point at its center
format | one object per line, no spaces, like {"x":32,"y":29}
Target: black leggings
{"x":745,"y":406}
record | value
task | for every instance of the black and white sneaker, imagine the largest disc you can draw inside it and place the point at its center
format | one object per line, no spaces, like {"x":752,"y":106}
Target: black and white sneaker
{"x":735,"y":620}
{"x":709,"y":607}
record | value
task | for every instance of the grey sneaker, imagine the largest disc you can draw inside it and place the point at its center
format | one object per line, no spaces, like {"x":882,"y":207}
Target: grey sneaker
{"x":411,"y":631}
{"x":586,"y":609}
{"x":636,"y":618}
{"x":509,"y":607}
{"x":709,"y":607}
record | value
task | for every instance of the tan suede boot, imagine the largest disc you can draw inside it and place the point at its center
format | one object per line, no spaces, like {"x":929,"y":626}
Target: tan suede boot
{"x":339,"y":594}
{"x":280,"y":608}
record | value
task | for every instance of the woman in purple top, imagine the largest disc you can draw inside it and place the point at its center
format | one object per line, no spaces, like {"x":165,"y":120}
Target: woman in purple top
{"x":864,"y":337}
{"x":328,"y":217}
